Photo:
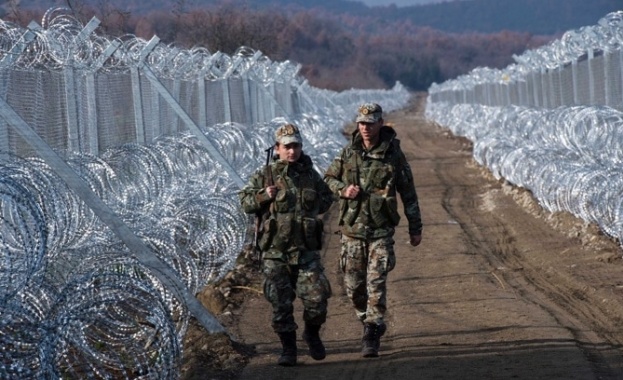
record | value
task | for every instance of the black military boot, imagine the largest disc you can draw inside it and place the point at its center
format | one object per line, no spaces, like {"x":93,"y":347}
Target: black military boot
{"x":312,"y":338}
{"x":288,"y":354}
{"x":371,"y":341}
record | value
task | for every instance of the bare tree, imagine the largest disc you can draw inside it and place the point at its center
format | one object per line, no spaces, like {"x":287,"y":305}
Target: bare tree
{"x":14,"y":11}
{"x":78,"y":7}
{"x":227,"y":28}
{"x":114,"y":21}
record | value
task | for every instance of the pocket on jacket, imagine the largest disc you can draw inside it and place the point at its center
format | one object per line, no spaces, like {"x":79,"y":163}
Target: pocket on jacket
{"x":284,"y":201}
{"x":384,"y":211}
{"x":308,"y":200}
{"x":350,"y":212}
{"x":284,"y":235}
{"x":269,"y":227}
{"x":312,"y":229}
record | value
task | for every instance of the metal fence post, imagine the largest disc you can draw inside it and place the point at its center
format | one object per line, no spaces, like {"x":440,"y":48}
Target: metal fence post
{"x":543,"y":87}
{"x":621,"y":84}
{"x":175,"y":92}
{"x":71,"y":101}
{"x":246,"y":94}
{"x":591,"y":77}
{"x":201,"y":103}
{"x":73,"y":133}
{"x":137,"y":102}
{"x":559,"y":72}
{"x":574,"y":75}
{"x":226,"y":100}
{"x":606,"y":58}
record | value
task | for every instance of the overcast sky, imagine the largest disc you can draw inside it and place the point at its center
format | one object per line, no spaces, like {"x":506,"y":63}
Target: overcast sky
{"x":399,"y":3}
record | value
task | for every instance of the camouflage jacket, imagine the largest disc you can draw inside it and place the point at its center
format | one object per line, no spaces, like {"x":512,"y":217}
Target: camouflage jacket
{"x":380,"y":172}
{"x":291,"y":229}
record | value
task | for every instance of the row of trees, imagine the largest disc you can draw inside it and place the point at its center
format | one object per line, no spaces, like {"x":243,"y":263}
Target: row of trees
{"x":336,"y":51}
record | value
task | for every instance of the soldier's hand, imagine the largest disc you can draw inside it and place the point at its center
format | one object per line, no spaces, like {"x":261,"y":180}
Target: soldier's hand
{"x":350,"y":192}
{"x":271,"y":191}
{"x":415,"y":240}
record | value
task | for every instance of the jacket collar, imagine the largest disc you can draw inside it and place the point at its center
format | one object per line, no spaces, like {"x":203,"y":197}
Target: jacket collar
{"x":386,"y":136}
{"x":304,"y":163}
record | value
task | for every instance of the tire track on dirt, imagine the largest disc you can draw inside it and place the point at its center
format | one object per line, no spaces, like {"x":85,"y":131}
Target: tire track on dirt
{"x":506,"y":252}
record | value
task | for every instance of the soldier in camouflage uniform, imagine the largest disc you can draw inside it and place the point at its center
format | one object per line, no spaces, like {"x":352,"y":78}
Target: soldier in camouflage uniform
{"x":291,"y":196}
{"x":366,"y":176}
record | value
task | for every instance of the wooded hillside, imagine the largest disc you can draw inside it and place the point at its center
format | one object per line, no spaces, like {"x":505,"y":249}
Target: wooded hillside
{"x":337,"y":49}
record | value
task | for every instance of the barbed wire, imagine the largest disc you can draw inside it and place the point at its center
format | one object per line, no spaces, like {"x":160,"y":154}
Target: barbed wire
{"x":563,"y":145}
{"x":74,"y":300}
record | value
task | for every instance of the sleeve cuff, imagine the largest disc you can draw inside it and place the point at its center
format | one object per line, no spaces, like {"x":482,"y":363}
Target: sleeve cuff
{"x":262,"y":197}
{"x":415,"y":232}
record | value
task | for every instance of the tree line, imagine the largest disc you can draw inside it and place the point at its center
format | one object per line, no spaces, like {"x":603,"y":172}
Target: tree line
{"x":336,"y":51}
{"x":537,"y":16}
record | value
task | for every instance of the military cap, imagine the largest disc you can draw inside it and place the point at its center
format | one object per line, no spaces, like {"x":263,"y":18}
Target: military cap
{"x":288,"y":134}
{"x":369,"y":113}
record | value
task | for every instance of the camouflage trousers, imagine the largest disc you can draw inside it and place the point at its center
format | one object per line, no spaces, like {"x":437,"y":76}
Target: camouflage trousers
{"x":365,"y":264}
{"x":283,"y":282}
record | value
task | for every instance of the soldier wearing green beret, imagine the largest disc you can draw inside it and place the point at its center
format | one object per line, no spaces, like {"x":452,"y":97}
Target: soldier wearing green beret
{"x":367,"y":175}
{"x":291,"y":194}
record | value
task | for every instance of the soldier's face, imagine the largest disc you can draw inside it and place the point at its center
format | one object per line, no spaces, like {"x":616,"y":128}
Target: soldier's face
{"x":289,"y":152}
{"x":370,"y":131}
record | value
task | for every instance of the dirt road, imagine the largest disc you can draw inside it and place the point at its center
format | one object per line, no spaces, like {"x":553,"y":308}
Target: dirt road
{"x":498,"y":289}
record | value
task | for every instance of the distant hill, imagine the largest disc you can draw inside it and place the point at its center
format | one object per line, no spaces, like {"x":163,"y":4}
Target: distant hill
{"x":538,"y":17}
{"x":541,"y":17}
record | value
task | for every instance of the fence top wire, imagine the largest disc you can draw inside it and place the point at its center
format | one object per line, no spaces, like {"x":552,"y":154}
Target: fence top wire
{"x":63,"y":41}
{"x":575,"y":45}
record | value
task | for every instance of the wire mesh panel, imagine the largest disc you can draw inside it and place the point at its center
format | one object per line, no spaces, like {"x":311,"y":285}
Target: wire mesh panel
{"x":39,"y":96}
{"x":599,"y":80}
{"x":283,"y":92}
{"x":237,"y":101}
{"x":216,"y":102}
{"x":613,"y":72}
{"x":583,"y":83}
{"x":189,"y":100}
{"x":566,"y":86}
{"x":115,"y":116}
